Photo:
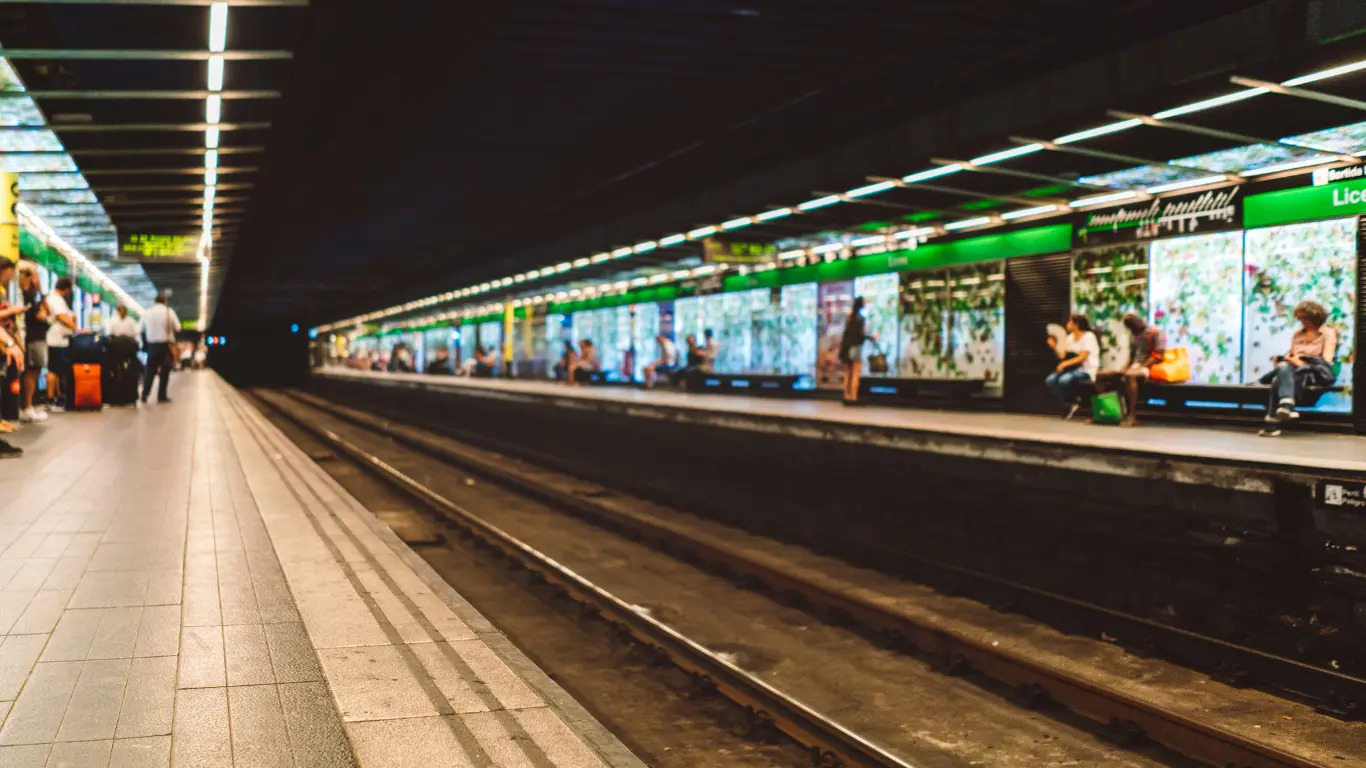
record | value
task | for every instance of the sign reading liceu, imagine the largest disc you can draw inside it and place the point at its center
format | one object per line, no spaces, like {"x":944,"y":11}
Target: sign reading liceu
{"x":140,"y":246}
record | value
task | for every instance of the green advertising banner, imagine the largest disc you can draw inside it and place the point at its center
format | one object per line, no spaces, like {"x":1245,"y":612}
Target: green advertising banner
{"x":1328,"y":201}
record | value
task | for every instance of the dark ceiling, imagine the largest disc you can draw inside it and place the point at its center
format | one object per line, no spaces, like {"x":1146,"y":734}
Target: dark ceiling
{"x":419,"y":143}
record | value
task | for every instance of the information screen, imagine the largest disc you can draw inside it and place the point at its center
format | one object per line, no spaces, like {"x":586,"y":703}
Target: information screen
{"x":142,"y":246}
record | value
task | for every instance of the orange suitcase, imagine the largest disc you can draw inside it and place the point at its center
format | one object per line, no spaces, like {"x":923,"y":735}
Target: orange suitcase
{"x":85,"y":390}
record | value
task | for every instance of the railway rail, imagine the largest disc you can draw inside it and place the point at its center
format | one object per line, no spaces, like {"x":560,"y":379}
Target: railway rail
{"x":1123,"y":714}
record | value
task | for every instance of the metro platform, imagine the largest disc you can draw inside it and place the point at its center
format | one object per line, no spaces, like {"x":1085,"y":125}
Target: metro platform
{"x":1237,"y":460}
{"x":181,"y":585}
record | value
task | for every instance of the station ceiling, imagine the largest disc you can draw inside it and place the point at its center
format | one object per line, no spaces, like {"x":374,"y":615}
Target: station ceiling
{"x":418,"y":146}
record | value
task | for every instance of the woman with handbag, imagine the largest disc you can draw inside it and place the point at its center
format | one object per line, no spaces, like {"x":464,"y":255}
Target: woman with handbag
{"x":1309,"y":363}
{"x":851,"y":350}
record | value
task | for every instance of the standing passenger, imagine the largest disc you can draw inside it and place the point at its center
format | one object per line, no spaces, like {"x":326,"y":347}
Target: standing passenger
{"x":35,"y":341}
{"x":1079,"y":356}
{"x":1309,"y":363}
{"x":711,"y":352}
{"x":59,"y":332}
{"x":851,"y":350}
{"x":12,"y":351}
{"x":159,"y":326}
{"x":123,"y":325}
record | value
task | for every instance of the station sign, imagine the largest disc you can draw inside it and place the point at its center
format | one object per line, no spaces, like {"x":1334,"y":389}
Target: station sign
{"x":1215,"y":210}
{"x":145,"y":246}
{"x":1340,"y":494}
{"x":1327,"y":200}
{"x":716,"y":251}
{"x":702,"y":286}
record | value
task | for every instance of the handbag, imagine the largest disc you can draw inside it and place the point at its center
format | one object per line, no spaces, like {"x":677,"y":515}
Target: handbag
{"x":1106,"y":408}
{"x":1174,"y":368}
{"x":877,"y":362}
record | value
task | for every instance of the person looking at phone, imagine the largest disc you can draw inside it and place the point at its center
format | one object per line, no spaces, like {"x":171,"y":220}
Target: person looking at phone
{"x":1309,"y":363}
{"x":1078,"y":363}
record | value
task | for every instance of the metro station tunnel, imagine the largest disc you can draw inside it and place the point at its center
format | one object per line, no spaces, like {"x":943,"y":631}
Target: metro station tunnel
{"x":679,"y":383}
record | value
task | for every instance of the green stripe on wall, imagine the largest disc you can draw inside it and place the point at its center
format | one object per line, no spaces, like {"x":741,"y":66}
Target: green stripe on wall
{"x":1028,"y":242}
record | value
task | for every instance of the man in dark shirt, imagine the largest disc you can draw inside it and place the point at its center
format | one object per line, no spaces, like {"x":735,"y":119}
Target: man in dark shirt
{"x":1146,"y":345}
{"x":35,"y":337}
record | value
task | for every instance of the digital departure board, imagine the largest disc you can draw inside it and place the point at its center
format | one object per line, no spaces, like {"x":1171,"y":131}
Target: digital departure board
{"x":142,"y":246}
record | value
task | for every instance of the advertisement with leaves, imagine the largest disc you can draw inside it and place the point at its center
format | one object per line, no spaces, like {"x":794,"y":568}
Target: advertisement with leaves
{"x":1287,"y":265}
{"x":1195,"y":291}
{"x":1107,"y":283}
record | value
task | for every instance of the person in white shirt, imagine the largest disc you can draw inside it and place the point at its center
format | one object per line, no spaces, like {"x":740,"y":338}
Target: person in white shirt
{"x":62,"y":326}
{"x":666,"y":364}
{"x":1078,"y":362}
{"x":122,"y":324}
{"x":159,"y":326}
{"x":711,"y":351}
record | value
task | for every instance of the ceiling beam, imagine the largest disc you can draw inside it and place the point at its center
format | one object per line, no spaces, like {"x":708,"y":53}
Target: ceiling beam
{"x":132,"y":127}
{"x":170,"y":188}
{"x":167,"y":171}
{"x":1300,"y":93}
{"x":1011,"y":172}
{"x":122,"y":95}
{"x":126,"y":203}
{"x":1072,"y":149}
{"x":1215,"y":133}
{"x":151,"y":152}
{"x":237,"y":3}
{"x":151,"y":212}
{"x":117,"y":54}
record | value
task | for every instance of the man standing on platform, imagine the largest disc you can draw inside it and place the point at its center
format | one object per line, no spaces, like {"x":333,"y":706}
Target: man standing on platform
{"x":35,"y":341}
{"x":159,"y":326}
{"x":62,"y":326}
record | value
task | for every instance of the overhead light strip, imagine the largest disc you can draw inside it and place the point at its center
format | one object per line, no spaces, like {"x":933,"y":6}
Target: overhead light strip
{"x":947,"y":170}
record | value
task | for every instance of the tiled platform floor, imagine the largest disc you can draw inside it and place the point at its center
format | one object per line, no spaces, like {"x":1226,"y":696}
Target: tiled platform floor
{"x":180,"y":585}
{"x":1294,"y":452}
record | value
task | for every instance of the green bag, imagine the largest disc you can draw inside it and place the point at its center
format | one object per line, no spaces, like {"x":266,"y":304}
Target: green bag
{"x":1106,"y":408}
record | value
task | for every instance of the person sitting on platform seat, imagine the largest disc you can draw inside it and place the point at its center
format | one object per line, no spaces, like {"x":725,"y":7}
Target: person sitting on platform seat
{"x":666,"y":363}
{"x":587,"y":364}
{"x":1079,"y":356}
{"x":441,"y":364}
{"x":564,"y":367}
{"x":484,"y":363}
{"x":1146,"y":345}
{"x":1309,"y":363}
{"x":691,"y":375}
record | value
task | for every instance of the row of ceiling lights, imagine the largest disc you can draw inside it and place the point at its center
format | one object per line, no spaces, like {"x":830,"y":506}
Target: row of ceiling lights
{"x":1093,"y":201}
{"x":213,"y":114}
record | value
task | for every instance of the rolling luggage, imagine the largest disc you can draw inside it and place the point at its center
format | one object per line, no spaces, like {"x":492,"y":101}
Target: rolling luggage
{"x":85,"y":387}
{"x":122,"y":373}
{"x":86,"y":348}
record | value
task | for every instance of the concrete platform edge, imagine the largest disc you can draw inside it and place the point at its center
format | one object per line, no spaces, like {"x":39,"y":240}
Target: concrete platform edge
{"x":608,"y":747}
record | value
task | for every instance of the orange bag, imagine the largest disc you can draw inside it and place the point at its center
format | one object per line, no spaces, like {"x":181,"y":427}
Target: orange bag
{"x":85,"y":395}
{"x":1174,"y":368}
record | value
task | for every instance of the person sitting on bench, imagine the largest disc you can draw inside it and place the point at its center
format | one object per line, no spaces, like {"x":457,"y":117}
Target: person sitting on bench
{"x":1309,"y":363}
{"x":587,"y":364}
{"x":1079,"y":360}
{"x":1146,"y":345}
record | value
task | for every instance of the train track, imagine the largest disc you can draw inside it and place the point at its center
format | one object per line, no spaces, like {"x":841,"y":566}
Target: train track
{"x":830,"y":743}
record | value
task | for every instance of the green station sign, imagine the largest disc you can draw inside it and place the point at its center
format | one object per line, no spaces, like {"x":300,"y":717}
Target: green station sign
{"x":1327,"y":201}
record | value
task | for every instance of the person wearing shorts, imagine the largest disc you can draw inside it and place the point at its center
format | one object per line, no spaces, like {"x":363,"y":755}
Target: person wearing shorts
{"x":35,"y":336}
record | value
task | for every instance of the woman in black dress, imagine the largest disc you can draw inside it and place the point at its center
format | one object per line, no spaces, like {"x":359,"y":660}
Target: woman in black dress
{"x":851,"y":350}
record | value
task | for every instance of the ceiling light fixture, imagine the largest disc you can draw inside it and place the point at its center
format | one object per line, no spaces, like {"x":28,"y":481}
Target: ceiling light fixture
{"x":1027,"y":212}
